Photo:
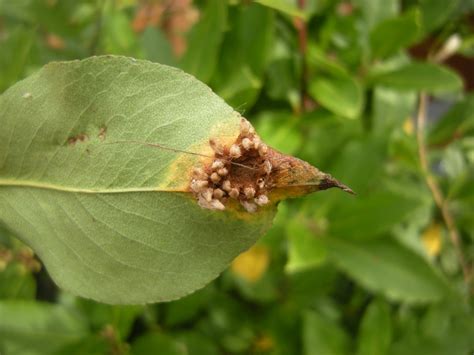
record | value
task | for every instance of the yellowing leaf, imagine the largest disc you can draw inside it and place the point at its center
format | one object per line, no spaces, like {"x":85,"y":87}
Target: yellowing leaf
{"x":431,"y":239}
{"x":252,"y":264}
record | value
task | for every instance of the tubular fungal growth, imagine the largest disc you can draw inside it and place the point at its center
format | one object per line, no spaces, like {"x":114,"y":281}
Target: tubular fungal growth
{"x":240,"y":172}
{"x":251,"y":173}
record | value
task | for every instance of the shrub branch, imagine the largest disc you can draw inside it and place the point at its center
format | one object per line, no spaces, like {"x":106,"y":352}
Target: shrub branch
{"x":438,"y":197}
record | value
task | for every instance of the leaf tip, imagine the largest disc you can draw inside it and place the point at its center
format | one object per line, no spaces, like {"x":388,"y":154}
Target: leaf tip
{"x":328,"y":182}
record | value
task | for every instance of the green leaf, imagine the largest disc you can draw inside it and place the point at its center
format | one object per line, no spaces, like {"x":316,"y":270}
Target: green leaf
{"x":16,"y":282}
{"x":391,"y":35}
{"x":37,"y":328}
{"x":280,"y":129}
{"x":230,"y":324}
{"x":390,"y":108}
{"x":457,"y":122}
{"x":375,"y":11}
{"x":281,"y":73}
{"x":113,"y":222}
{"x":436,"y":12}
{"x":100,"y":316}
{"x":90,"y":345}
{"x":375,"y":332}
{"x":117,"y":34}
{"x":16,"y":47}
{"x":304,"y":250}
{"x":244,"y":55}
{"x":185,"y":309}
{"x":150,"y":343}
{"x":339,"y":94}
{"x":310,"y":284}
{"x":428,"y":77}
{"x":385,"y":266}
{"x":204,"y":41}
{"x":323,"y":336}
{"x":369,"y":216}
{"x":19,"y":10}
{"x":444,"y":329}
{"x":156,"y":47}
{"x":284,"y":6}
{"x":198,"y":344}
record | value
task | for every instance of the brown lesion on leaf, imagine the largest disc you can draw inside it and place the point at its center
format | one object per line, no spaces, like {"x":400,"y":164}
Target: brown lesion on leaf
{"x":79,"y":138}
{"x":251,"y":174}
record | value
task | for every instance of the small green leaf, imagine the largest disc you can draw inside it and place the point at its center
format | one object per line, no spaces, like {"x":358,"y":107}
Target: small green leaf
{"x":369,"y":216}
{"x":150,"y":343}
{"x":204,"y":41}
{"x":456,"y":123}
{"x":428,"y":77}
{"x":244,"y":55}
{"x":436,"y":12}
{"x":304,"y":250}
{"x":375,"y":332}
{"x":444,"y":329}
{"x":185,"y":309}
{"x":117,"y":34}
{"x":198,"y":344}
{"x":385,"y":266}
{"x":16,"y":282}
{"x":37,"y":328}
{"x":339,"y":94}
{"x":283,"y":6}
{"x":90,"y":345}
{"x":16,"y":46}
{"x":323,"y":336}
{"x":375,"y":11}
{"x":394,"y":34}
{"x":156,"y":47}
{"x":101,"y":315}
{"x":390,"y":108}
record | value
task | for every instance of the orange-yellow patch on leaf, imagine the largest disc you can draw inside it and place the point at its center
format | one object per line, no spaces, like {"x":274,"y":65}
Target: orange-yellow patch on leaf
{"x":252,"y":264}
{"x":431,"y":239}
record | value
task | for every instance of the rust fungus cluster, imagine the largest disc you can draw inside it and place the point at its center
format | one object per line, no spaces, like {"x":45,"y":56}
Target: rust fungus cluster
{"x":240,"y":172}
{"x":251,"y":173}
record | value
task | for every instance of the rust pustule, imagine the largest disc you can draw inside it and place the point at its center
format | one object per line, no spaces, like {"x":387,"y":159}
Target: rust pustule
{"x":254,"y":174}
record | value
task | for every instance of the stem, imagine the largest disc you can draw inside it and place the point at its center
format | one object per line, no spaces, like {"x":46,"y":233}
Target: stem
{"x":438,"y":197}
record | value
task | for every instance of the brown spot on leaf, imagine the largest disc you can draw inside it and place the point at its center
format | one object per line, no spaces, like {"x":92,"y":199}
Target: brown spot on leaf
{"x":80,"y":138}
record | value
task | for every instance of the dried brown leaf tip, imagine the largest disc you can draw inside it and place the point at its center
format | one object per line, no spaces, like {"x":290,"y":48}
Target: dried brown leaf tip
{"x":253,"y":174}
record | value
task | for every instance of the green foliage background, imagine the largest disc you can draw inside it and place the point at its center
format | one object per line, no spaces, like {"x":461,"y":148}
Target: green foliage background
{"x":374,"y":274}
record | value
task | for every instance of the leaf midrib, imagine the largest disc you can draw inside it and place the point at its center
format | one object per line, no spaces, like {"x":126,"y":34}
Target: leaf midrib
{"x":46,"y":186}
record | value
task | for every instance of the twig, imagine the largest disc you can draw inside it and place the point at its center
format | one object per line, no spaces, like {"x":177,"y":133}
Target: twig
{"x":436,"y":191}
